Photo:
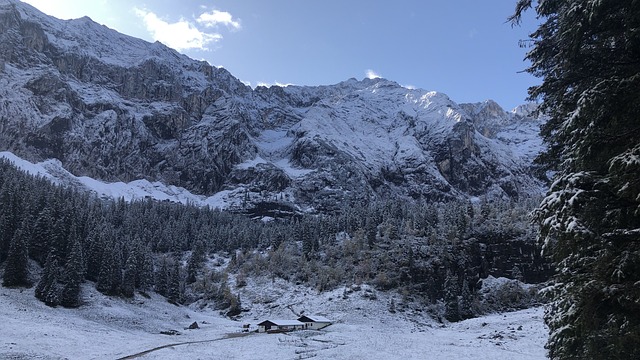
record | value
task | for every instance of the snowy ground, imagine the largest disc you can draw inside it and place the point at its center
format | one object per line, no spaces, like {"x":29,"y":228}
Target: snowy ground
{"x":109,"y":328}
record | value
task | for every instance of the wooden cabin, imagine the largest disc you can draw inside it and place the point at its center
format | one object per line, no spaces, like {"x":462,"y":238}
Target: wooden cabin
{"x":315,"y":322}
{"x":280,"y":325}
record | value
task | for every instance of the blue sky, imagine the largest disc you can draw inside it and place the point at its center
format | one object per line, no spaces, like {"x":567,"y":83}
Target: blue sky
{"x":464,"y":48}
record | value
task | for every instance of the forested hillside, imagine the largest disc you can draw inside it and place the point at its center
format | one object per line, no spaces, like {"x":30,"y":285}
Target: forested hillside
{"x":435,"y":253}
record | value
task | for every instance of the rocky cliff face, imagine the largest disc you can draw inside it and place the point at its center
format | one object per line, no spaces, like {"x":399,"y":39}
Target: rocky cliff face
{"x":116,"y":108}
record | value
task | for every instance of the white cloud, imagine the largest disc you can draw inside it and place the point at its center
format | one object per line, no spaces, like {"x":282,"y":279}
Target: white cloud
{"x":215,"y":17}
{"x":180,"y":35}
{"x":372,"y":74}
{"x":410,"y":87}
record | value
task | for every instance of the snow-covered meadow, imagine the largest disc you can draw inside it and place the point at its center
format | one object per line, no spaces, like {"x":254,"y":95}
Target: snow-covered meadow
{"x":113,"y":328}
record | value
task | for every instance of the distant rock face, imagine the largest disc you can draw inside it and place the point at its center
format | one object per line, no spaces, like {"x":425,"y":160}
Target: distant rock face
{"x":117,"y":108}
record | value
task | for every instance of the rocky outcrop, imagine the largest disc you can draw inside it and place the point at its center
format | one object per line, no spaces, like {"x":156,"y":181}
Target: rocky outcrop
{"x":504,"y":254}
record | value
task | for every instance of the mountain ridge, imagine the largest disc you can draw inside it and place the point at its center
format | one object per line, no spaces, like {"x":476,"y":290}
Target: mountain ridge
{"x":116,"y":108}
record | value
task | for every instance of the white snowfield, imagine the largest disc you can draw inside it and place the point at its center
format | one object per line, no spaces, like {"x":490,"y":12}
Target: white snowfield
{"x":135,"y":190}
{"x":113,"y":328}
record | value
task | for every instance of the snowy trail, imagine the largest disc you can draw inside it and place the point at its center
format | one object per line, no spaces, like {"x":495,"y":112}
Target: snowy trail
{"x":145,"y":352}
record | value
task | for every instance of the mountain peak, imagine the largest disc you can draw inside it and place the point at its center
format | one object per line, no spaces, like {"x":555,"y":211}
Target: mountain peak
{"x":117,"y":108}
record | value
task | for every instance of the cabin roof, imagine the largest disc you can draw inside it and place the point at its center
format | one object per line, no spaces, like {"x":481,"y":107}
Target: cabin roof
{"x":315,"y":318}
{"x":283,"y":322}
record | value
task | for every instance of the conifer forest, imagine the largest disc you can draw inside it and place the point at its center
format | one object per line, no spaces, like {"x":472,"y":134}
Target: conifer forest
{"x":435,"y":253}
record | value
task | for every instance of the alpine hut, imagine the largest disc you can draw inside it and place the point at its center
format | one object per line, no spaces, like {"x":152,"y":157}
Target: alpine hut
{"x":280,"y":325}
{"x":314,"y":322}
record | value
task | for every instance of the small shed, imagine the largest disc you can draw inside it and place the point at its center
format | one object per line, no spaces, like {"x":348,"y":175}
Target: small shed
{"x":315,"y":322}
{"x":280,"y":325}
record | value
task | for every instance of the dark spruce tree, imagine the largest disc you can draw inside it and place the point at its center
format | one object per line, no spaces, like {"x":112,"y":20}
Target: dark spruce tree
{"x":9,"y":213}
{"x":174,"y":289}
{"x":40,"y":239}
{"x":371,"y":230}
{"x":16,"y":271}
{"x":162,"y":277}
{"x":94,"y":244}
{"x":47,"y":289}
{"x":73,"y":276}
{"x":466,"y":301}
{"x":195,"y":261}
{"x":307,"y":241}
{"x":451,"y":297}
{"x":587,"y":53}
{"x":110,"y":276}
{"x":144,"y":277}
{"x":129,"y":276}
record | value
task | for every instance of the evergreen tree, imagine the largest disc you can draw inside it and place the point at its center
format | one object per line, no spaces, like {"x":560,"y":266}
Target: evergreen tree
{"x":73,"y":276}
{"x":162,"y":277}
{"x":588,"y":55}
{"x":16,"y":271}
{"x":94,"y":244}
{"x":59,"y":234}
{"x":195,"y":262}
{"x":451,"y":297}
{"x":144,"y":279}
{"x":466,"y":301}
{"x":47,"y":289}
{"x":485,"y":209}
{"x":5,"y":237}
{"x":39,"y":244}
{"x":307,"y":242}
{"x":9,"y":213}
{"x":371,"y":230}
{"x":174,"y":292}
{"x":129,"y":277}
{"x":110,"y":277}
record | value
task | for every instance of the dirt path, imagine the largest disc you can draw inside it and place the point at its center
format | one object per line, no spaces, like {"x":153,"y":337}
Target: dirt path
{"x":142,"y":353}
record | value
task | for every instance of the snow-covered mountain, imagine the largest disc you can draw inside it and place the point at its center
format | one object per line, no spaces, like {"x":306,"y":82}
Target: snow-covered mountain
{"x":114,"y":108}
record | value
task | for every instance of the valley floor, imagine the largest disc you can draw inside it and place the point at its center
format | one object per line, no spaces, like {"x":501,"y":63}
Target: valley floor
{"x":108,"y":328}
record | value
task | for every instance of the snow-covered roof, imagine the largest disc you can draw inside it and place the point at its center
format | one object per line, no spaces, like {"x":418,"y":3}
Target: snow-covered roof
{"x":316,"y":318}
{"x":285,"y":322}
